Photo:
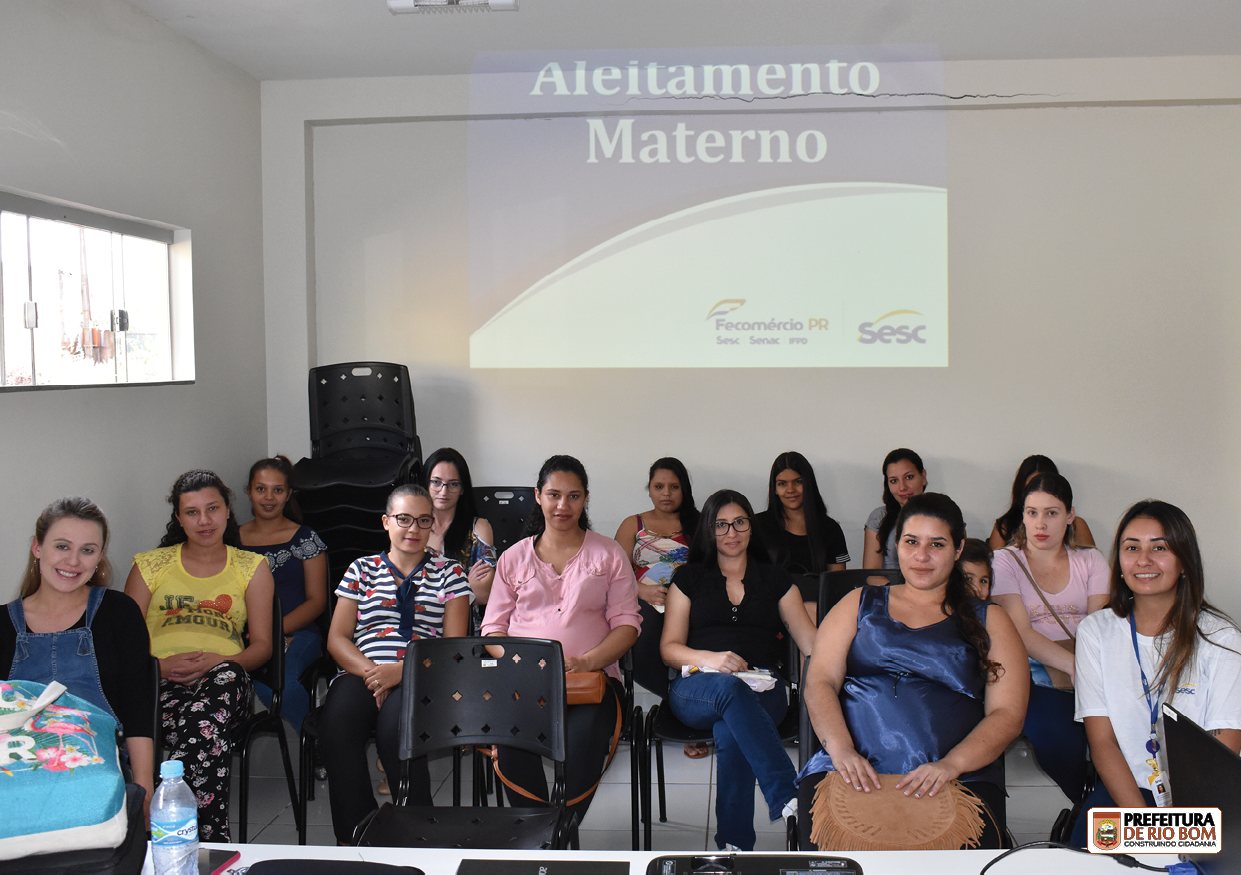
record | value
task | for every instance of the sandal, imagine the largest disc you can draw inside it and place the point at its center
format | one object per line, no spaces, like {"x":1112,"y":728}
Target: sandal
{"x":696,"y":750}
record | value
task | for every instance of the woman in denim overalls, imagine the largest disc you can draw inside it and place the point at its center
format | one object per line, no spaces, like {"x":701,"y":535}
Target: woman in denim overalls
{"x":50,"y":632}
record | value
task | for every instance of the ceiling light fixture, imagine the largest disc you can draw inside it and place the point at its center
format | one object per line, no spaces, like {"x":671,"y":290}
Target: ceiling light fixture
{"x":397,"y":7}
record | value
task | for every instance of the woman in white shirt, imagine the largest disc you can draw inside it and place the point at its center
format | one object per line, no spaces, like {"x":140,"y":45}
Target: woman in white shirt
{"x":1160,"y":640}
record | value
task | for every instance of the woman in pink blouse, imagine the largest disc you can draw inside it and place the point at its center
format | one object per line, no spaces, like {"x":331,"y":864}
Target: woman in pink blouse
{"x":572,"y":585}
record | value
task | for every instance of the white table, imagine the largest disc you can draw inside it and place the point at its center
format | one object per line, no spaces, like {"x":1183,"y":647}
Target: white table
{"x":1041,"y":861}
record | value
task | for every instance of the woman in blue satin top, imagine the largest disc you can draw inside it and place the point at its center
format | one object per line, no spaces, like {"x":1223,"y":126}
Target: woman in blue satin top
{"x":920,"y":680}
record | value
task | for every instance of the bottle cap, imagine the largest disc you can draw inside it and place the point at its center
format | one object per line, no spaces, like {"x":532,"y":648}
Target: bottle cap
{"x":171,"y":769}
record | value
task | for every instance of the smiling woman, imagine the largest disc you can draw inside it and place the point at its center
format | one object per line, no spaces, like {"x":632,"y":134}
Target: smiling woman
{"x":75,"y":630}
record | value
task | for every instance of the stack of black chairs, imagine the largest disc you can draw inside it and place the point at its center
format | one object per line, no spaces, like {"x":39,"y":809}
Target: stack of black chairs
{"x":364,"y":443}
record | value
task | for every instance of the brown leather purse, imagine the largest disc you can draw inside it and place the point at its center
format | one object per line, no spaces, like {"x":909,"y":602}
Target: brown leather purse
{"x":584,"y":687}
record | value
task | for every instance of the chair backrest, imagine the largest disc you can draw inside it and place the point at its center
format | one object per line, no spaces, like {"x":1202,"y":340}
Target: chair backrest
{"x":507,"y":508}
{"x":357,"y":408}
{"x":458,"y":693}
{"x":834,"y":584}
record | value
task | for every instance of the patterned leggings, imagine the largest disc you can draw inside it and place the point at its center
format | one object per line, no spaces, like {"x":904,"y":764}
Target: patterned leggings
{"x":197,"y":723}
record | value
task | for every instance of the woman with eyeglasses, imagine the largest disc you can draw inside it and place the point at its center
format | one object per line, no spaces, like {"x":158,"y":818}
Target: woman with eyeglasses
{"x":384,"y":601}
{"x":724,"y":622}
{"x":458,"y":532}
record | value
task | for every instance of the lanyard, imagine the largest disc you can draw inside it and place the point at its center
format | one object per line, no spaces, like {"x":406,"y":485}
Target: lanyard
{"x":405,"y":589}
{"x":1152,"y":746}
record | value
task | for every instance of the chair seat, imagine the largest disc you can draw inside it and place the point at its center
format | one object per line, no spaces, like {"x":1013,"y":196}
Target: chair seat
{"x":376,"y":468}
{"x":662,"y":724}
{"x":395,"y":826}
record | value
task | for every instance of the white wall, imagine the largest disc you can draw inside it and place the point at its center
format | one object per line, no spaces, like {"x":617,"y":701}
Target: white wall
{"x":1093,"y":269}
{"x":102,"y":106}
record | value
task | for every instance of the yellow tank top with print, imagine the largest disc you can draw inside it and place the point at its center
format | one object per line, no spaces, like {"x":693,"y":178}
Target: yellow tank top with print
{"x":187,"y":613}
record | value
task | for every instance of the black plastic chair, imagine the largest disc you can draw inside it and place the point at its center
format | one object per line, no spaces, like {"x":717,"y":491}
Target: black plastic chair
{"x":363,"y":430}
{"x":272,"y":674}
{"x":507,"y":508}
{"x":456,"y":694}
{"x":833,"y":585}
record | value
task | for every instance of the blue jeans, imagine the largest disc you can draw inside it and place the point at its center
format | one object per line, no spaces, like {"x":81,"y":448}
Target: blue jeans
{"x":1099,"y":798}
{"x":301,"y":652}
{"x":747,"y":744}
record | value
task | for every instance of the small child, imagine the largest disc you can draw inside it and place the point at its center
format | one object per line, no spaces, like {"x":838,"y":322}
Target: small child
{"x":975,"y":564}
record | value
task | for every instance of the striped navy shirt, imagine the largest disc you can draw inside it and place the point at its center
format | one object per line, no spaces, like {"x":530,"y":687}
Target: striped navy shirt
{"x":371,"y":583}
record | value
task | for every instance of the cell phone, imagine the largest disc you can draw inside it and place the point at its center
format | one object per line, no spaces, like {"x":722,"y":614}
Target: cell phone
{"x":213,"y":861}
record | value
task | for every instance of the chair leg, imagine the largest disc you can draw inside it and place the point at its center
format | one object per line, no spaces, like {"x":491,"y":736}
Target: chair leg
{"x":635,"y":775}
{"x":659,"y":766}
{"x":645,"y":778}
{"x":456,"y":777}
{"x":243,"y":800}
{"x":294,"y":796}
{"x":306,"y":768}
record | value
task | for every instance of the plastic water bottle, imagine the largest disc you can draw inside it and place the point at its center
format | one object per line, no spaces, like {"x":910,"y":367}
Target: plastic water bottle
{"x":174,"y":823}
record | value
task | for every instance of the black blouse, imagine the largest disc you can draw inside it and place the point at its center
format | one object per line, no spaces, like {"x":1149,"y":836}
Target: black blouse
{"x":753,"y":629}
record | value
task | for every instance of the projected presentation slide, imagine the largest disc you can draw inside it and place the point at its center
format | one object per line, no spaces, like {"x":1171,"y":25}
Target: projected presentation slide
{"x":757,"y":208}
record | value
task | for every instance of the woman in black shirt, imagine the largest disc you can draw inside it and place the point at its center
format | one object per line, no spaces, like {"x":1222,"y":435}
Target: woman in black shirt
{"x":726,"y":613}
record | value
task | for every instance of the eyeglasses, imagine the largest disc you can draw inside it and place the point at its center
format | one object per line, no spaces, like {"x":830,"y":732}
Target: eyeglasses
{"x":404,"y":521}
{"x":739,"y":525}
{"x":451,"y":485}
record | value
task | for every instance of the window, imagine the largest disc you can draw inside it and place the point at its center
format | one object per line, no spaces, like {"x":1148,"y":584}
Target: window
{"x":91,"y":298}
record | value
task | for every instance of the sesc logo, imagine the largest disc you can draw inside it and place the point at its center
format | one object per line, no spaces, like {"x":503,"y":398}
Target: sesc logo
{"x":868,"y":332}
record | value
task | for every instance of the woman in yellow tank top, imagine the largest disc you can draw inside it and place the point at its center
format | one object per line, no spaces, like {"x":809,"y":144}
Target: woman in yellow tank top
{"x":198,"y":590}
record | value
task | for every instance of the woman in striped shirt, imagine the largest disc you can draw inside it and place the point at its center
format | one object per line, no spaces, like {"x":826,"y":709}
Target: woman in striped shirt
{"x":384,"y":601}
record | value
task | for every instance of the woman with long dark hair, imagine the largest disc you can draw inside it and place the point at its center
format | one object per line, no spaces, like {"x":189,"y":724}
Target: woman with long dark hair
{"x":1159,"y":640}
{"x":804,"y":539}
{"x":920,"y":682}
{"x":297,"y":558}
{"x":657,"y":542}
{"x":1048,"y":584}
{"x":570,"y":584}
{"x":727,"y":613}
{"x":199,"y":591}
{"x":903,"y":477}
{"x":459,"y":532}
{"x":1009,"y":523}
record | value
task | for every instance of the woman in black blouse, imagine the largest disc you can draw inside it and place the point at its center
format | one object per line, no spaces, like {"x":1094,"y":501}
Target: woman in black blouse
{"x":64,"y":598}
{"x":726,"y":613}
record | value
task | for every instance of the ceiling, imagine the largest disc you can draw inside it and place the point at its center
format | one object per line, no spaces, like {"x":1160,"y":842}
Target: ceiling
{"x":313,"y":39}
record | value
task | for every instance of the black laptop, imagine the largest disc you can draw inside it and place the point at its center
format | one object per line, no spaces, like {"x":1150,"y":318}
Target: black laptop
{"x":1205,"y":774}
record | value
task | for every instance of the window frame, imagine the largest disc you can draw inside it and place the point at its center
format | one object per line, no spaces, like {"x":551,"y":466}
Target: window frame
{"x":180,"y":280}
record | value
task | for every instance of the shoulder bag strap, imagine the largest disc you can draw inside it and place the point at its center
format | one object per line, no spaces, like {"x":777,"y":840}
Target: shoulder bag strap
{"x":1030,"y":577}
{"x":616,"y":733}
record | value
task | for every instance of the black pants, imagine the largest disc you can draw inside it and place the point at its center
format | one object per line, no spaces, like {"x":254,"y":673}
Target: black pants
{"x":993,"y":797}
{"x":648,"y":666}
{"x":349,"y":717}
{"x":588,"y":738}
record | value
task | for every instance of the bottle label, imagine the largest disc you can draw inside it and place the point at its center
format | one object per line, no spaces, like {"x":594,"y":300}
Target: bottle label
{"x":172,"y":833}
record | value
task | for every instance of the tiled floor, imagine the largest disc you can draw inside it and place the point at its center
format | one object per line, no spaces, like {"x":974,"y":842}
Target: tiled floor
{"x":1034,"y":801}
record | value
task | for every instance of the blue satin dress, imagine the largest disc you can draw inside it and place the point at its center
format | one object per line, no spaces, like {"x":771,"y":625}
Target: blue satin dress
{"x":910,"y":695}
